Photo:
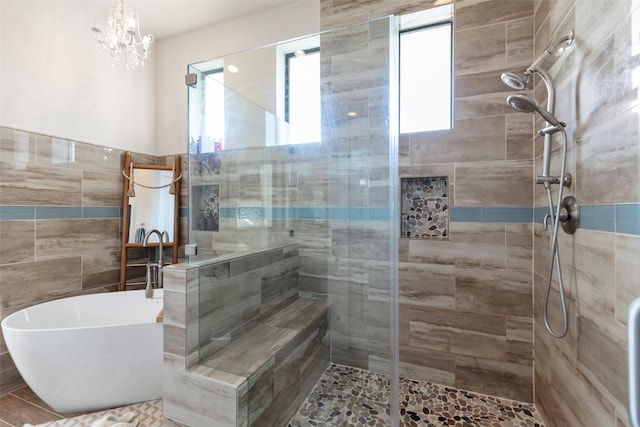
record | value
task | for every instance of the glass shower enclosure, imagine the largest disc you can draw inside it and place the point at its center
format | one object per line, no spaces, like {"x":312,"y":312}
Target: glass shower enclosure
{"x":296,"y":223}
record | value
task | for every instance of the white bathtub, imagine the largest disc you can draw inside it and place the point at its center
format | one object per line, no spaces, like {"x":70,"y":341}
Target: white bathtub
{"x":89,"y":352}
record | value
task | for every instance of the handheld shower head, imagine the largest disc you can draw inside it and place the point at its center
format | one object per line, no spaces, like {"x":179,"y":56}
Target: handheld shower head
{"x":522,"y":103}
{"x":563,"y":44}
{"x":526,"y":104}
{"x":515,"y":80}
{"x":560,"y":47}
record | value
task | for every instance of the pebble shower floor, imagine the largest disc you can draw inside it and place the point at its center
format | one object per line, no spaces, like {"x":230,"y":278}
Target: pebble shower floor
{"x":347,"y":396}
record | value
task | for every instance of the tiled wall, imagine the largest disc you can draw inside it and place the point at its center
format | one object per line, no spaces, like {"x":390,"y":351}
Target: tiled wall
{"x":240,"y":290}
{"x":60,"y":219}
{"x":466,"y":314}
{"x":581,"y":379}
{"x":345,"y":251}
{"x":60,"y":204}
{"x":257,"y":188}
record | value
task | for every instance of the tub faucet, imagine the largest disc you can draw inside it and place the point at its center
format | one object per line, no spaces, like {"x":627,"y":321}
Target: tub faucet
{"x":148,"y":291}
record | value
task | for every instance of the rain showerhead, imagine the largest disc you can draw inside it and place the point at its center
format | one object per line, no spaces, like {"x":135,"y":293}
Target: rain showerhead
{"x":525,"y":104}
{"x":515,"y":80}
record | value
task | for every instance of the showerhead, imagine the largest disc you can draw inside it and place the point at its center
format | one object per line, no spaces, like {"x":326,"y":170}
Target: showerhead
{"x":559,"y":47}
{"x":525,"y":104}
{"x":522,"y":103}
{"x":515,"y":80}
{"x":563,"y":44}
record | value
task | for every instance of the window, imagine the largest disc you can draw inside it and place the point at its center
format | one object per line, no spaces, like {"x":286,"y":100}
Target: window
{"x":302,"y":95}
{"x":425,"y":78}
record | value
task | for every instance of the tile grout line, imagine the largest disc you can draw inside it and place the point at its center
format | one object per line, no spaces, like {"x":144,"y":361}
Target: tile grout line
{"x":30,"y":403}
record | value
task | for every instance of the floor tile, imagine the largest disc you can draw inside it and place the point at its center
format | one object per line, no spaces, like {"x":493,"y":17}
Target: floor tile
{"x":347,"y":396}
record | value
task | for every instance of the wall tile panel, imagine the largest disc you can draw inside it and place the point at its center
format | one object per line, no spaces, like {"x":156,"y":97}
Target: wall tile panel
{"x":39,"y":185}
{"x":19,"y":241}
{"x":28,"y":283}
{"x":476,"y":13}
{"x":473,"y":140}
{"x":56,"y":238}
{"x":480,"y":49}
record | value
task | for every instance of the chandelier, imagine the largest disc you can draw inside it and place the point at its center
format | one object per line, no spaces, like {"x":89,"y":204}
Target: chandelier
{"x":122,"y":39}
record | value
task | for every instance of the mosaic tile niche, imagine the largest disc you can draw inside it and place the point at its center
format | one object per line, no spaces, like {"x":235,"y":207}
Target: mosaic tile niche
{"x":205,"y":207}
{"x":425,"y":208}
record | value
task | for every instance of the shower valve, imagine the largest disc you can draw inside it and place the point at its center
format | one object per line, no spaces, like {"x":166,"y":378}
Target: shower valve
{"x":570,"y":214}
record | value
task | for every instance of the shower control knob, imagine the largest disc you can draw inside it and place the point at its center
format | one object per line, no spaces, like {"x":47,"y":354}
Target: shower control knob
{"x":569,"y":214}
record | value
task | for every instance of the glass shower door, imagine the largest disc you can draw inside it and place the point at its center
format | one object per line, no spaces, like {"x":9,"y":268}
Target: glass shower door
{"x":336,"y":198}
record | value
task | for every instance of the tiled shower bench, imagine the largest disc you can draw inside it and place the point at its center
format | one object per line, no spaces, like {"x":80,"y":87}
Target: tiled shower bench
{"x":240,"y":347}
{"x":277,"y":357}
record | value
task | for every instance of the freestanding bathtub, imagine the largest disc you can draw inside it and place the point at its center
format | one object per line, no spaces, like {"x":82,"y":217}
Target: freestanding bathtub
{"x":89,"y":352}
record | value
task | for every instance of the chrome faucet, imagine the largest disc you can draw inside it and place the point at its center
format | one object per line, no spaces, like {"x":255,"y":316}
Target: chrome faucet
{"x":148,"y":291}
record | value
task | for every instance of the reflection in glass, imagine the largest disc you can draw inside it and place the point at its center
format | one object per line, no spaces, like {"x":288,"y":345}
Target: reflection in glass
{"x":303,"y":95}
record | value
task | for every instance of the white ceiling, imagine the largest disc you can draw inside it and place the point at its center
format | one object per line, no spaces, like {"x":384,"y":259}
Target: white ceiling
{"x":164,"y":18}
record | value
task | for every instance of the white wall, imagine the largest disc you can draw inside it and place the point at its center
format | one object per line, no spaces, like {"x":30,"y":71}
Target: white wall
{"x":53,"y":81}
{"x":174,"y":54}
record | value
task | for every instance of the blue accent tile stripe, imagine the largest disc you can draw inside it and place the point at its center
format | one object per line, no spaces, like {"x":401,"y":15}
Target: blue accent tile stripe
{"x":101,"y":212}
{"x":489,"y":214}
{"x":539,"y":213}
{"x":619,"y":218}
{"x":465,"y":215}
{"x":628,"y":218}
{"x":228,"y":213}
{"x":26,"y":213}
{"x":353,"y":214}
{"x":58,"y":212}
{"x":340,"y":213}
{"x":514,"y":214}
{"x":597,"y":218}
{"x":307,"y":213}
{"x":282,"y":213}
{"x":379,"y":214}
{"x":313,"y":213}
{"x":14,"y":213}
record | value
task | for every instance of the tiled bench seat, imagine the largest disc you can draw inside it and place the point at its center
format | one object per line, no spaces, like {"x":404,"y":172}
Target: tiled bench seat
{"x":281,"y":357}
{"x":240,"y":348}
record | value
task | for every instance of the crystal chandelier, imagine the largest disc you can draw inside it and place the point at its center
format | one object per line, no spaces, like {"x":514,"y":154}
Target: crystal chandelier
{"x":122,"y":39}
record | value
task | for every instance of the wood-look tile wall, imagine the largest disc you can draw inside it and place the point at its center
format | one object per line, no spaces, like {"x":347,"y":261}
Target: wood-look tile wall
{"x":581,"y":379}
{"x":466,"y":311}
{"x":55,"y":248}
{"x":255,"y":179}
{"x":239,"y":292}
{"x":344,"y":260}
{"x":275,"y":346}
{"x":43,"y":259}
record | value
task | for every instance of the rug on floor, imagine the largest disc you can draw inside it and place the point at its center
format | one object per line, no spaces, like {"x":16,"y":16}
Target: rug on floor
{"x":148,"y":414}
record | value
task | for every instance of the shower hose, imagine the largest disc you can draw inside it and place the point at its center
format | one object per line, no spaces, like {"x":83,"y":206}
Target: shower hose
{"x":554,"y":256}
